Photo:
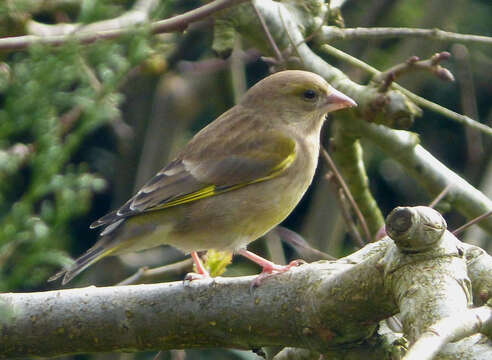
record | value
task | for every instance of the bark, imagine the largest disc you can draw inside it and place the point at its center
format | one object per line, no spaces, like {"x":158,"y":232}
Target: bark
{"x":331,"y":307}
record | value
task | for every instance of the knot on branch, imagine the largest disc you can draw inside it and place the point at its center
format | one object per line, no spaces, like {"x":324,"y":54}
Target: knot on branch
{"x":415,"y":229}
{"x":420,"y":235}
{"x":392,"y":109}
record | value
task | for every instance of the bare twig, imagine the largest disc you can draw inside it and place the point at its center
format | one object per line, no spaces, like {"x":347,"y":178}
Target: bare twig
{"x":176,"y":23}
{"x":440,"y":196}
{"x":93,"y":80}
{"x":145,"y":274}
{"x":278,"y":54}
{"x":68,"y":119}
{"x":330,"y":33}
{"x":386,"y":78}
{"x":465,"y":120}
{"x":302,"y":246}
{"x":238,"y":71}
{"x":471,"y":222}
{"x":464,"y":73}
{"x":215,"y":64}
{"x":345,"y":188}
{"x":351,"y":225}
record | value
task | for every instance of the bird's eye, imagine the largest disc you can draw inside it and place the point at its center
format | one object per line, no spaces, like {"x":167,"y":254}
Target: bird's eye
{"x":310,"y":95}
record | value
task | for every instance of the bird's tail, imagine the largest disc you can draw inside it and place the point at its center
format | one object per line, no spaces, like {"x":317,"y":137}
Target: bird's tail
{"x":90,"y":257}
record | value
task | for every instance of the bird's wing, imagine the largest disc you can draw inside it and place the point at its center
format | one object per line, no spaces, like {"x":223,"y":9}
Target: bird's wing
{"x":203,"y":171}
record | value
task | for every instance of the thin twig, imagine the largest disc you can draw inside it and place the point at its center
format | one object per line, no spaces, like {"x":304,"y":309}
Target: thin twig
{"x":343,"y":185}
{"x":464,"y":72}
{"x":300,"y":245}
{"x":238,"y":71}
{"x":146,"y":274}
{"x":176,"y":23}
{"x":351,"y":225}
{"x":93,"y":80}
{"x":271,"y":41}
{"x":291,"y":41}
{"x":472,"y":222}
{"x":465,"y":120}
{"x":68,"y":119}
{"x":330,"y":33}
{"x":432,"y":65}
{"x":215,"y":64}
{"x":440,"y":196}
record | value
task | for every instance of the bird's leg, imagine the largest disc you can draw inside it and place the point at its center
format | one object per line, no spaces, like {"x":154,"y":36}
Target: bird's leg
{"x":201,"y":273}
{"x":269,"y":267}
{"x":199,"y":265}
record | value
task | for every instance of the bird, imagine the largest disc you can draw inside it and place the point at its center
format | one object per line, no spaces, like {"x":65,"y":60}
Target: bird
{"x":234,"y":181}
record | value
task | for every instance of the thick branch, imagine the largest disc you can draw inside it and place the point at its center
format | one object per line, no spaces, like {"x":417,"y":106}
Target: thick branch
{"x":450,"y":329}
{"x":434,"y":176}
{"x":329,"y":307}
{"x":349,"y":157}
{"x":306,"y":307}
{"x":427,"y":274}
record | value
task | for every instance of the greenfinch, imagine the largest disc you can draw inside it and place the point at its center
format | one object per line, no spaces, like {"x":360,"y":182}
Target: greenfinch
{"x":235,"y":180}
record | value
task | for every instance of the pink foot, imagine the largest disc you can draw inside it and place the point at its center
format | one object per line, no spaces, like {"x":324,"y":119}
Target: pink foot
{"x":269,"y":268}
{"x":201,"y":273}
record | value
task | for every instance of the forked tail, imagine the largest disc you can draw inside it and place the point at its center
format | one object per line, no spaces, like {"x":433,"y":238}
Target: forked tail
{"x":90,"y":257}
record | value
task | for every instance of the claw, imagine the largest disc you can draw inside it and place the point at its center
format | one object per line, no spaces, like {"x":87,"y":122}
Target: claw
{"x":269,"y":268}
{"x":195,"y":276}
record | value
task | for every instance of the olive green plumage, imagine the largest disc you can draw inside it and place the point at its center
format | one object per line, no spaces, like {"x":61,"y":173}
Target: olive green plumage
{"x":235,"y":180}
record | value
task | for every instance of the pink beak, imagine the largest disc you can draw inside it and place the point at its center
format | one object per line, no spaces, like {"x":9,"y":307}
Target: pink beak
{"x":337,"y":100}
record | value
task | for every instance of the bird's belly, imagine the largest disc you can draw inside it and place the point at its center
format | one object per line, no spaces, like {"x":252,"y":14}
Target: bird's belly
{"x":244,"y":216}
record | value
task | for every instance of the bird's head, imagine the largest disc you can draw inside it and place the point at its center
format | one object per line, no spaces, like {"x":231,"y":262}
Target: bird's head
{"x":295,"y":96}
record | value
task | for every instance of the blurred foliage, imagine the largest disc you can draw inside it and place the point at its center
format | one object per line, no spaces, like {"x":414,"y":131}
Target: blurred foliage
{"x":54,"y":99}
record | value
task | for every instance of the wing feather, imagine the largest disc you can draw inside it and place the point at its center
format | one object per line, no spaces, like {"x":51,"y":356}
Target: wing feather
{"x":203,"y":171}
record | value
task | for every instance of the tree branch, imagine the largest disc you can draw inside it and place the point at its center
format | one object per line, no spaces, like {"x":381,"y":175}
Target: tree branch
{"x":465,"y":120}
{"x":403,"y":146}
{"x":400,"y":145}
{"x":331,"y":307}
{"x":331,"y":33}
{"x":441,"y":289}
{"x":138,"y":14}
{"x":431,"y":65}
{"x":450,"y":329}
{"x":348,"y":155}
{"x":301,"y":308}
{"x":176,"y":23}
{"x":348,"y":194}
